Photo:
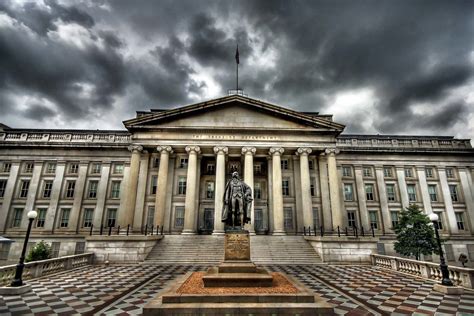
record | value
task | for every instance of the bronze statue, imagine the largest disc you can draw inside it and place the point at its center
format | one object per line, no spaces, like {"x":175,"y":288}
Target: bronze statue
{"x":237,"y":202}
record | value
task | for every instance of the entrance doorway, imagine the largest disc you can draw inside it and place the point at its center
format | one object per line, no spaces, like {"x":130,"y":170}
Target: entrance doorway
{"x":208,"y":224}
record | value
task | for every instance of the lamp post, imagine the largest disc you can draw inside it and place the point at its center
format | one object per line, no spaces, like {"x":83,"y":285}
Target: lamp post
{"x":17,"y":281}
{"x":443,"y":266}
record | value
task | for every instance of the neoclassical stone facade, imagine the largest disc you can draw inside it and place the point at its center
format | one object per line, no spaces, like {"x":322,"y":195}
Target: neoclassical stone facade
{"x":169,"y":169}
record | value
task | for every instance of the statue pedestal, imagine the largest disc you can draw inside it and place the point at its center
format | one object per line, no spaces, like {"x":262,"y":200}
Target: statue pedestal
{"x":237,"y":270}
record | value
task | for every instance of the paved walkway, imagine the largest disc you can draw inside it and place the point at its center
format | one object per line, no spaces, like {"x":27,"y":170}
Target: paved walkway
{"x":125,"y":289}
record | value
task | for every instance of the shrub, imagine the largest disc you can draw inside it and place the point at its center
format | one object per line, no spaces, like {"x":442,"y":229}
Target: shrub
{"x":40,"y":251}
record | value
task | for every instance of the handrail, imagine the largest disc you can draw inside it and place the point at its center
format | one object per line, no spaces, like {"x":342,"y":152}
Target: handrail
{"x":39,"y":268}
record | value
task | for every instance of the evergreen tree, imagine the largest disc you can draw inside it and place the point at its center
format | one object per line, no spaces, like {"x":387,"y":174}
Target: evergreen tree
{"x":40,"y":251}
{"x":415,"y":234}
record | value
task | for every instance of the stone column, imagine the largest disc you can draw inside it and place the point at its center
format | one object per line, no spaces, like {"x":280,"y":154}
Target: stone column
{"x":126,"y":214}
{"x":425,"y":195}
{"x":448,"y":204}
{"x":162,"y":184}
{"x":361,"y":198}
{"x":306,"y":201}
{"x":53,"y":211}
{"x":220,"y":152}
{"x":140,"y":211}
{"x":468,"y":198}
{"x":32,"y":192}
{"x":190,"y":201}
{"x":278,"y":216}
{"x":337,"y":216}
{"x":248,"y":178}
{"x":325,"y":199}
{"x":74,"y":217}
{"x":8,"y":196}
{"x":101,"y":195}
{"x":402,"y":186}
{"x":387,"y":220}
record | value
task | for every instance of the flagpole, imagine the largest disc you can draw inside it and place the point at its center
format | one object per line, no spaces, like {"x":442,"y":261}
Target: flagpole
{"x":237,"y":77}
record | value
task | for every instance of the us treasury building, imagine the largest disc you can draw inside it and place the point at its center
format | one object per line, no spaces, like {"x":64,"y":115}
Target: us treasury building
{"x":167,"y":171}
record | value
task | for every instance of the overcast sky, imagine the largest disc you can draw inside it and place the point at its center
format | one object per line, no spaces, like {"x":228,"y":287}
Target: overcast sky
{"x":388,"y":67}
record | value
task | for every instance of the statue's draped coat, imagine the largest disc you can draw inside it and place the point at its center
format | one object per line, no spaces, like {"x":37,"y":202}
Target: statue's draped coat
{"x":247,"y":201}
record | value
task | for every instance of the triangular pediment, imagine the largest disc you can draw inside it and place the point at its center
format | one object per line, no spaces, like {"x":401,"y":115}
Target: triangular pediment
{"x":232,"y":112}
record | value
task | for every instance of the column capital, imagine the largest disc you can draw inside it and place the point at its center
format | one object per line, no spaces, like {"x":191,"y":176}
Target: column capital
{"x":221,"y":149}
{"x":249,"y":150}
{"x":302,"y":151}
{"x":332,"y":151}
{"x":167,"y":149}
{"x":193,"y":148}
{"x":135,"y":148}
{"x":276,"y":151}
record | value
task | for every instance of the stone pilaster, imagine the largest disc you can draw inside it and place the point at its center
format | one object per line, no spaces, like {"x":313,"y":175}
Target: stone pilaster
{"x":75,"y":214}
{"x":32,"y":192}
{"x":306,"y":201}
{"x":402,"y":186}
{"x":101,"y":195}
{"x":162,"y":184}
{"x":130,"y":198}
{"x":387,"y":220}
{"x":361,"y":197}
{"x":8,"y":195}
{"x":248,"y":153}
{"x":278,"y":216}
{"x":468,"y":198}
{"x":220,"y":152}
{"x":425,"y":195}
{"x":448,"y":204}
{"x":190,"y":201}
{"x":336,"y":209}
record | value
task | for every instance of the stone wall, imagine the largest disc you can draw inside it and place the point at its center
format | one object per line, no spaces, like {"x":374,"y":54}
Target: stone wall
{"x":344,"y":249}
{"x":120,"y":248}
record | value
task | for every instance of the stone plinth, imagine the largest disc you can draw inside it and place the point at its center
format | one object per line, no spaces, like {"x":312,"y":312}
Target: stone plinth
{"x":237,"y":246}
{"x":344,"y":249}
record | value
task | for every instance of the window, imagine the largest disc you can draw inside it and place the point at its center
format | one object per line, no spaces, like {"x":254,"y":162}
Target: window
{"x":390,"y":192}
{"x":387,"y":172}
{"x":311,"y":186}
{"x":311,"y":164}
{"x":29,"y":167}
{"x":74,"y":168}
{"x":118,"y":168}
{"x":453,"y":190}
{"x":41,"y":217}
{"x":429,"y":172}
{"x":65,"y":212}
{"x":92,"y":194}
{"x":18,"y":212}
{"x":182,"y":185}
{"x":257,"y":169}
{"x":154,"y":184}
{"x":4,"y":250}
{"x":88,"y":213}
{"x":460,"y":220}
{"x":408,"y":173}
{"x":3,"y":185}
{"x":432,"y":192}
{"x":79,"y":248}
{"x":450,"y":173}
{"x":51,"y":168}
{"x":288,"y":218}
{"x":183,"y":163}
{"x":369,"y":192}
{"x":394,"y":217}
{"x":411,"y":192}
{"x":156,"y":162}
{"x":285,"y":187}
{"x":258,"y":219}
{"x":211,"y":168}
{"x":111,"y":217}
{"x":7,"y":166}
{"x":70,"y":186}
{"x":348,"y":192}
{"x":150,"y":217}
{"x":316,"y":223}
{"x":24,"y":186}
{"x":346,"y":171}
{"x":373,"y":219}
{"x":179,"y":217}
{"x":55,"y":245}
{"x":351,"y":219}
{"x":96,"y":168}
{"x":47,"y":189}
{"x":257,"y":191}
{"x":115,"y":191}
{"x":440,"y":220}
{"x":234,"y":166}
{"x":284,"y":164}
{"x":210,"y":190}
{"x":367,"y":171}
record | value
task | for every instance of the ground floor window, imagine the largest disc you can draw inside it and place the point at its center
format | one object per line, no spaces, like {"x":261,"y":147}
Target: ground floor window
{"x":88,"y":212}
{"x":288,"y":216}
{"x":41,"y":217}
{"x":440,"y":220}
{"x":394,"y":217}
{"x":316,"y":222}
{"x":351,"y":219}
{"x":64,"y":222}
{"x":179,"y":217}
{"x":17,"y":217}
{"x":55,"y":249}
{"x":150,"y":217}
{"x":111,"y":217}
{"x":460,"y":220}
{"x":208,"y":219}
{"x":373,"y":219}
{"x":258,"y":219}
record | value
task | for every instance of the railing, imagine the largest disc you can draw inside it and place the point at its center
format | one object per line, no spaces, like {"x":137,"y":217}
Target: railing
{"x":344,"y":232}
{"x":460,"y":276}
{"x":72,"y":137}
{"x":37,"y":269}
{"x":374,"y":141}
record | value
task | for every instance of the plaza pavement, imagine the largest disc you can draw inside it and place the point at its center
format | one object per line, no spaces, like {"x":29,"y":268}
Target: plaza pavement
{"x":125,"y":289}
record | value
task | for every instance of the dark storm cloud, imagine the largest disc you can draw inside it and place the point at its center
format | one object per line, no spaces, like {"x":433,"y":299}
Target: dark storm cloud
{"x":39,"y":112}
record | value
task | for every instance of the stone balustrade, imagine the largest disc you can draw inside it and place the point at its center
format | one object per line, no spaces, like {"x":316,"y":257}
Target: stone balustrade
{"x":460,"y":276}
{"x":399,"y":142}
{"x":40,"y":268}
{"x":69,"y":137}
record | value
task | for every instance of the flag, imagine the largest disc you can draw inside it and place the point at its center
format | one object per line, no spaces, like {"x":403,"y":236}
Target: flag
{"x":237,"y":55}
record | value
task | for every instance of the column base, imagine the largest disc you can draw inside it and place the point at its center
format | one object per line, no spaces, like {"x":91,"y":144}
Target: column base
{"x":188,"y":232}
{"x":218,"y":232}
{"x":279,"y":233}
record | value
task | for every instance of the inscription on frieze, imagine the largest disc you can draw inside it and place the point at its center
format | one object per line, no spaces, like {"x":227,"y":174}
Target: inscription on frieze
{"x":237,"y":246}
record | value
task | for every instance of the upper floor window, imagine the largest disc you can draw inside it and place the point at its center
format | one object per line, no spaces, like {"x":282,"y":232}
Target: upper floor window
{"x":348,"y":192}
{"x":28,"y":168}
{"x":453,"y":190}
{"x":47,"y":189}
{"x":115,"y":190}
{"x":367,"y":171}
{"x":373,"y":219}
{"x":118,"y":168}
{"x":311,"y":164}
{"x":311,"y":186}
{"x":40,"y":220}
{"x":210,"y":190}
{"x":369,"y":192}
{"x":429,"y":172}
{"x":390,"y":192}
{"x":92,"y":194}
{"x":96,"y":168}
{"x":351,"y":219}
{"x":460,"y":220}
{"x":440,"y":220}
{"x":154,"y":184}
{"x":24,"y":186}
{"x":73,"y":168}
{"x":111,"y":217}
{"x":284,"y":164}
{"x":346,"y":171}
{"x":211,"y":168}
{"x":70,"y":187}
{"x":64,"y":221}
{"x":6,"y":167}
{"x":433,"y":192}
{"x":51,"y":168}
{"x":411,"y":192}
{"x":183,"y":163}
{"x":182,"y":185}
{"x":156,"y":162}
{"x":87,"y":221}
{"x":394,"y":216}
{"x":3,"y":185}
{"x":450,"y":173}
{"x":409,"y":172}
{"x":387,"y":172}
{"x":285,"y":187}
{"x":257,"y":168}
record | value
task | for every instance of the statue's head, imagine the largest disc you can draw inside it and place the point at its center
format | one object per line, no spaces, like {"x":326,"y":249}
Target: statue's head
{"x":235,"y":175}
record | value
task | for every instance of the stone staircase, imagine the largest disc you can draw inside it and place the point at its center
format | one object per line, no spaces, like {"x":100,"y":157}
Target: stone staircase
{"x":209,"y":250}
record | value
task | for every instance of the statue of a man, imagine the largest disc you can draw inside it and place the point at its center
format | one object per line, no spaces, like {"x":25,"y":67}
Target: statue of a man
{"x":237,"y":202}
